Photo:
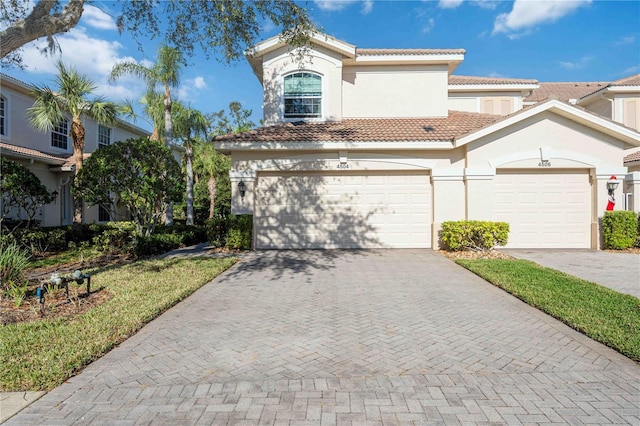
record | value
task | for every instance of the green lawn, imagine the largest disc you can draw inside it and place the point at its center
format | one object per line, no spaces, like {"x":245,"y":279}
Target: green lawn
{"x":43,"y":354}
{"x":602,"y":314}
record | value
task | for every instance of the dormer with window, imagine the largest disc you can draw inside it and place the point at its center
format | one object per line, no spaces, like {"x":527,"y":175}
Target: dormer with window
{"x":335,"y":80}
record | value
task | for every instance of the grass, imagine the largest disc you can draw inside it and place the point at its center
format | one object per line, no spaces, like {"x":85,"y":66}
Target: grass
{"x":604,"y":315}
{"x":43,"y":354}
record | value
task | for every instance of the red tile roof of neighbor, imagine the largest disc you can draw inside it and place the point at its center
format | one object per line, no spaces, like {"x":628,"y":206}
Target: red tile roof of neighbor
{"x":565,"y":91}
{"x":390,"y":52}
{"x":28,"y":152}
{"x":369,"y":129}
{"x":465,"y":79}
{"x":634,"y":156}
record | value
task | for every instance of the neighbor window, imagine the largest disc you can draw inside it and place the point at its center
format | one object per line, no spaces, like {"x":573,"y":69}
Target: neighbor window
{"x":3,"y":117}
{"x":59,"y":134}
{"x":104,"y":136}
{"x":103,"y":214}
{"x":302,"y":95}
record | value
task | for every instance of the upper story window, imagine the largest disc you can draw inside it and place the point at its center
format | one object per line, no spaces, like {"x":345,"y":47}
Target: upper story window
{"x":3,"y":116}
{"x":303,"y":95}
{"x":59,"y":134}
{"x":104,"y":136}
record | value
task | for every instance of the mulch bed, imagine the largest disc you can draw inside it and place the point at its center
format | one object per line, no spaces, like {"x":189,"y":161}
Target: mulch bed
{"x":56,"y":303}
{"x":468,"y":254}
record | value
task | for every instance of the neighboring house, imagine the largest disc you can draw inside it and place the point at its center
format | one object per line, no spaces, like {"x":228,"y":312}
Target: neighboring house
{"x":379,"y":147}
{"x":50,"y":155}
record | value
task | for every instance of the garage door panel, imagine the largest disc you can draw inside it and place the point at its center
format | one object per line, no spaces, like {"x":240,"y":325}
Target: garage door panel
{"x":545,"y":209}
{"x":343,"y":210}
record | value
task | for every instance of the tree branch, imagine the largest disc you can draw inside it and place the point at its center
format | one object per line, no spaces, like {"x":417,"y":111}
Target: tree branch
{"x":40,"y":23}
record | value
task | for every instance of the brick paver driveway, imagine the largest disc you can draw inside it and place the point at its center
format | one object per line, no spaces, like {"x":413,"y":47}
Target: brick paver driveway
{"x":349,"y":337}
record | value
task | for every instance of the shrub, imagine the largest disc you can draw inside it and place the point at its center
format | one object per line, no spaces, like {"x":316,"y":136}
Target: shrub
{"x":217,"y":230}
{"x":41,"y":240}
{"x":474,"y":235}
{"x":240,"y":232}
{"x":13,"y":260}
{"x":619,"y":229}
{"x":188,"y":234}
{"x":115,"y":238}
{"x":156,"y":244}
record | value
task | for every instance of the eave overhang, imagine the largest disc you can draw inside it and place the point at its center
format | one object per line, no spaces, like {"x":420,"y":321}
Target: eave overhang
{"x":492,"y":87}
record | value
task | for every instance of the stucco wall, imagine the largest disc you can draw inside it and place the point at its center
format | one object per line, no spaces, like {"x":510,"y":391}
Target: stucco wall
{"x":279,"y":63}
{"x":395,"y":91}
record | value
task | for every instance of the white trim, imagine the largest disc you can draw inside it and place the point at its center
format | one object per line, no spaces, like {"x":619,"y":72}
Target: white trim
{"x":572,"y":113}
{"x":288,"y":163}
{"x":605,"y":173}
{"x":473,"y":173}
{"x":447,"y":174}
{"x":633,"y":178}
{"x":321,"y":39}
{"x":491,"y":87}
{"x":545,"y":153}
{"x":422,"y":59}
{"x":338,"y":145}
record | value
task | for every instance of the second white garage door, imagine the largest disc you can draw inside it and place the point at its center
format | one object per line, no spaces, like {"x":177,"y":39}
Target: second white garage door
{"x":545,"y":210}
{"x":345,"y":210}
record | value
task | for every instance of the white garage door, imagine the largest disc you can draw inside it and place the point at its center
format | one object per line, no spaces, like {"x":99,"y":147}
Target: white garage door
{"x":545,"y":210}
{"x":346,"y":210}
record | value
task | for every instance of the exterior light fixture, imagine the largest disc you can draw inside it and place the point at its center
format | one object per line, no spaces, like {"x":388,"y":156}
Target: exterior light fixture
{"x":612,"y":184}
{"x":242,"y":187}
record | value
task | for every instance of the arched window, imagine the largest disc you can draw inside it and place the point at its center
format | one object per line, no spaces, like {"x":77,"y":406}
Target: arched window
{"x":59,"y":134}
{"x":3,"y":116}
{"x":303,"y":95}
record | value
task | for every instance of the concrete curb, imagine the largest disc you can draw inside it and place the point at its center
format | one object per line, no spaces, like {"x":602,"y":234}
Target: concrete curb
{"x":11,"y":403}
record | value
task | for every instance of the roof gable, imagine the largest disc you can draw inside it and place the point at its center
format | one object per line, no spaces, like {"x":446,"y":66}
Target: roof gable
{"x":579,"y":115}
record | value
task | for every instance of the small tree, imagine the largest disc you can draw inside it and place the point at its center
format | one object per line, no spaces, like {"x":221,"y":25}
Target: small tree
{"x":22,"y":192}
{"x":140,"y":174}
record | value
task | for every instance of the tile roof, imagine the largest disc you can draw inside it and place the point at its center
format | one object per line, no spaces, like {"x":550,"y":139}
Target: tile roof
{"x":28,"y":152}
{"x":465,"y":79}
{"x":369,"y":129}
{"x":632,"y":80}
{"x":565,"y":91}
{"x":390,"y":52}
{"x":634,"y":156}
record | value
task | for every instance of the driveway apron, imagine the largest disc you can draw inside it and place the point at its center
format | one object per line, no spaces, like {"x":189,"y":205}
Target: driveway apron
{"x":618,"y":271}
{"x":349,"y":337}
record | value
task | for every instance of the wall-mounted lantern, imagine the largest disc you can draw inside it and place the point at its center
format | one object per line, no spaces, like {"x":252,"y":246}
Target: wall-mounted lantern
{"x":242,"y":187}
{"x":612,"y":184}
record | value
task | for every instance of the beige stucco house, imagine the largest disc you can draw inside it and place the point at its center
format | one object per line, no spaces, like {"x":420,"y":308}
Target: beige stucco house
{"x":379,"y":147}
{"x":50,"y":156}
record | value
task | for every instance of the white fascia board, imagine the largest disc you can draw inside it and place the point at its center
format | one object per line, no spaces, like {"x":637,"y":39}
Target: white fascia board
{"x":343,"y":145}
{"x":422,"y":59}
{"x":624,"y":89}
{"x":332,"y":43}
{"x":491,"y":87}
{"x":620,"y":132}
{"x":34,"y":158}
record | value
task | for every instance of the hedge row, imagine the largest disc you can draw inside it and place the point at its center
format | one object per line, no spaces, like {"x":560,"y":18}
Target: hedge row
{"x":620,"y":229}
{"x":474,"y":235}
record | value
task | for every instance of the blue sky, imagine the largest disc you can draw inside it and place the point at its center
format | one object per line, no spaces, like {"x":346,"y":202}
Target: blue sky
{"x":570,"y":40}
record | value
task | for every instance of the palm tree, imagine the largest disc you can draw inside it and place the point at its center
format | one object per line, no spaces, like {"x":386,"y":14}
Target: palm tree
{"x":210,"y":163}
{"x":189,"y":121}
{"x":165,"y":72}
{"x":50,"y":107}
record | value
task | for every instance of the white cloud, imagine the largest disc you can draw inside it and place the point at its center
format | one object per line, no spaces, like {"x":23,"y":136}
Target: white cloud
{"x":527,"y":14}
{"x":631,"y":70}
{"x":449,"y":4}
{"x":579,"y":64}
{"x":495,"y":74}
{"x":199,"y":83}
{"x":335,"y":5}
{"x":92,"y":57}
{"x":485,"y":4}
{"x":96,"y":18}
{"x":625,"y":40}
{"x":428,"y":26}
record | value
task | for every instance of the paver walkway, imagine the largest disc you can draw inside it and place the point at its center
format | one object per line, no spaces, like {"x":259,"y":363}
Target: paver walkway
{"x":618,"y":271}
{"x":349,"y":337}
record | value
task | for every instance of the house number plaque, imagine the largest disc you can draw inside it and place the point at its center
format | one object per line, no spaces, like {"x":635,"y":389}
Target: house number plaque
{"x":343,"y":165}
{"x":544,"y":163}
